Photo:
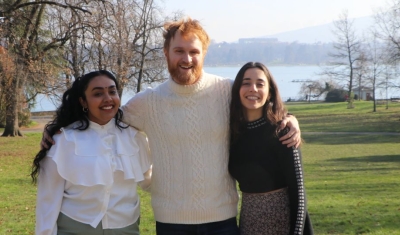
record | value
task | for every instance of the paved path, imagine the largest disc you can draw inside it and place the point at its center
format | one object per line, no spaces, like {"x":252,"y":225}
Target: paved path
{"x":41,"y":122}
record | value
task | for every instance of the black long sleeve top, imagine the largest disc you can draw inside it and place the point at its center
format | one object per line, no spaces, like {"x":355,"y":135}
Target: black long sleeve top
{"x":260,"y":163}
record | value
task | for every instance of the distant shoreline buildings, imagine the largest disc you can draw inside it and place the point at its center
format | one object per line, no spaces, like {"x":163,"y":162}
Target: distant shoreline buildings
{"x":258,"y":40}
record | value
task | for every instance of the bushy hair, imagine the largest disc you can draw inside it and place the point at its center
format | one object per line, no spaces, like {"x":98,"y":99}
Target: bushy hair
{"x":185,"y":27}
{"x":71,"y":111}
{"x":273,"y":110}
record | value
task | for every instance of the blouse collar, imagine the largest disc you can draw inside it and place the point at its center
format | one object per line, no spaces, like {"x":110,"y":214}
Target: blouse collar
{"x":105,"y":127}
{"x":102,"y":148}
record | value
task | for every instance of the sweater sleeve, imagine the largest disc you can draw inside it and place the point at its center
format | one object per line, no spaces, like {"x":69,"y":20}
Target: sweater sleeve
{"x":292,"y":167}
{"x":50,"y":194}
{"x":145,"y":161}
{"x":135,"y":110}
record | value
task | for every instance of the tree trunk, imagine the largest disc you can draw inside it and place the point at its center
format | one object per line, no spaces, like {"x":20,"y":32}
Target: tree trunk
{"x":373,"y":93}
{"x":12,"y":101}
{"x":139,"y":79}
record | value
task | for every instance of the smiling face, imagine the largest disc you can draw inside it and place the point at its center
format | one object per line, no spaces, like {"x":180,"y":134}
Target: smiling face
{"x":101,"y":100}
{"x":185,"y":58}
{"x":254,"y":92}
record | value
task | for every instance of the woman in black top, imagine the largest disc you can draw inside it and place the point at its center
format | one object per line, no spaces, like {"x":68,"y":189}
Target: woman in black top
{"x":270,"y":175}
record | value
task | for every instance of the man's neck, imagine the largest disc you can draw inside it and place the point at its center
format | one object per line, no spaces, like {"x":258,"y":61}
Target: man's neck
{"x":191,"y":82}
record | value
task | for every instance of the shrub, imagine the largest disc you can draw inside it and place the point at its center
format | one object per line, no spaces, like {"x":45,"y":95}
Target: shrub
{"x":336,"y":95}
{"x":24,"y":118}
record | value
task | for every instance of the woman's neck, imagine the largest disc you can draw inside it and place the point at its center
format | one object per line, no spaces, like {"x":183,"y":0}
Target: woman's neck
{"x":252,"y":115}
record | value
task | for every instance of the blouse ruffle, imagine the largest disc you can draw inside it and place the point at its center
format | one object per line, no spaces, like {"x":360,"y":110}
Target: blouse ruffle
{"x":91,"y":157}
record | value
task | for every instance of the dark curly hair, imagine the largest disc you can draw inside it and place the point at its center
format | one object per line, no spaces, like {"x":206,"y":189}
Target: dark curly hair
{"x":71,"y":111}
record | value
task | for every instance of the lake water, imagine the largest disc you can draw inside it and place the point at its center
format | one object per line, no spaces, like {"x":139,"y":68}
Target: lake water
{"x":284,"y":76}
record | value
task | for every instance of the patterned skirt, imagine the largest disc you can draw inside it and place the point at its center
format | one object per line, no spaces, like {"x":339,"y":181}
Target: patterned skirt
{"x":265,"y":213}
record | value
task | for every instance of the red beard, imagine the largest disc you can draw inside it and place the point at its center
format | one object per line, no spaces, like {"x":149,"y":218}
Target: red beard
{"x":185,"y":78}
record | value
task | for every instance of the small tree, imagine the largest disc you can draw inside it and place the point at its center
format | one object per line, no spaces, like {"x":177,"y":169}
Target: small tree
{"x":361,"y":70}
{"x":375,"y":69}
{"x":312,"y":89}
{"x":346,"y":53}
{"x":387,"y":21}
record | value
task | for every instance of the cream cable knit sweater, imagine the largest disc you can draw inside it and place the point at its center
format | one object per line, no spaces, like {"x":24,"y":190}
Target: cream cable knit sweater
{"x":187,"y":127}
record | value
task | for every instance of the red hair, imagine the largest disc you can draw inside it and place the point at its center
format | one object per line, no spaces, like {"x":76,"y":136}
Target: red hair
{"x":185,"y":27}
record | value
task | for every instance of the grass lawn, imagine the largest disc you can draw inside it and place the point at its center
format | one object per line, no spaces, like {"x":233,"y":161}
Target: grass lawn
{"x":353,"y":184}
{"x":352,"y":181}
{"x":335,"y":117}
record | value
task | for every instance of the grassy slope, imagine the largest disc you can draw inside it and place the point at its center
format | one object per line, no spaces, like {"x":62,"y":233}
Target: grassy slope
{"x":352,"y":184}
{"x":335,"y":117}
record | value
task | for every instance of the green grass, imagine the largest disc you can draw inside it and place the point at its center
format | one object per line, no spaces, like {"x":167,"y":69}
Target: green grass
{"x":352,"y":181}
{"x":335,"y":117}
{"x":18,"y":195}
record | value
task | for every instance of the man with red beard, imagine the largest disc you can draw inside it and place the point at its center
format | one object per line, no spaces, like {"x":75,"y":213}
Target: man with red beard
{"x":187,"y":123}
{"x":186,"y":120}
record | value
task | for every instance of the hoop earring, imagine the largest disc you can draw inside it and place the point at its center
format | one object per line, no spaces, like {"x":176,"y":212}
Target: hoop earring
{"x":84,"y":109}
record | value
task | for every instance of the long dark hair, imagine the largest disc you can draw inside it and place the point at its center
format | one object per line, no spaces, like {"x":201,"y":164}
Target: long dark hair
{"x":273,"y":110}
{"x":71,"y":111}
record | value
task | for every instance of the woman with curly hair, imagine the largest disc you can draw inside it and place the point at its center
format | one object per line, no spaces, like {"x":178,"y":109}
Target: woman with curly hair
{"x":87,"y":181}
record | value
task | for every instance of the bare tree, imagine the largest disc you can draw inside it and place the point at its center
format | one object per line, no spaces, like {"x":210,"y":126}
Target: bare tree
{"x":360,"y":71}
{"x":375,"y":58}
{"x":347,"y":49}
{"x":388,"y":75}
{"x":7,"y":71}
{"x":122,"y":36}
{"x":74,"y":54}
{"x":134,"y":42}
{"x":43,"y":39}
{"x":149,"y":47}
{"x":312,"y":89}
{"x":26,"y":42}
{"x":387,"y":20}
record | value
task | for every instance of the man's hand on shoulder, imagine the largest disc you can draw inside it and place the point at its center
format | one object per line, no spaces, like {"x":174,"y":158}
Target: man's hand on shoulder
{"x":47,"y":140}
{"x":293,"y":137}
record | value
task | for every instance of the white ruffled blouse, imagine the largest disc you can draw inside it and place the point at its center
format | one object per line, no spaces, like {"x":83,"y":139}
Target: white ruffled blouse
{"x":91,"y":176}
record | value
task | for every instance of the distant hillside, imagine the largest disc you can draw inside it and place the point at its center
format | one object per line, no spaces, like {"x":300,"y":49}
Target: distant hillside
{"x":320,"y":33}
{"x":269,"y":51}
{"x":304,"y":46}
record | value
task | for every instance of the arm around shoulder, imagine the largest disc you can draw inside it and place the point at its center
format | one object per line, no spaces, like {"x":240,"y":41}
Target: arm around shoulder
{"x":145,"y":160}
{"x":135,"y":110}
{"x":293,"y":137}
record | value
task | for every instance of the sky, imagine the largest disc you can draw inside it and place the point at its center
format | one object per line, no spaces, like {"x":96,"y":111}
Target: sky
{"x":229,"y":20}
